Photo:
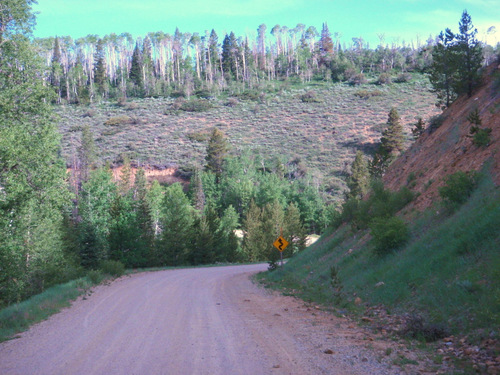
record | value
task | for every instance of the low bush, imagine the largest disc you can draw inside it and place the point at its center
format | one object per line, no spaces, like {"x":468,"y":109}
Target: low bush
{"x":458,"y":187}
{"x":416,"y":328}
{"x":357,"y":79}
{"x":310,"y":97}
{"x":196,"y":105}
{"x":95,"y":277}
{"x":482,"y":137}
{"x":112,"y":267}
{"x":365,"y":94}
{"x":384,"y":79}
{"x":388,"y":234}
{"x":403,"y":77}
{"x":118,"y":120}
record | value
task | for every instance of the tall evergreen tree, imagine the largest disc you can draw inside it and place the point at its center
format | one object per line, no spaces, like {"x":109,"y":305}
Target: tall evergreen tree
{"x":135,"y":73}
{"x":177,"y":227}
{"x":443,"y":69}
{"x":359,"y":180}
{"x":216,"y":152}
{"x":391,"y":144}
{"x":469,"y":56}
{"x":100,"y":76}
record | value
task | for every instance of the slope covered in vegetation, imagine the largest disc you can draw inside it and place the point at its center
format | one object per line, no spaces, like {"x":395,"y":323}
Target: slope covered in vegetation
{"x":424,"y":248}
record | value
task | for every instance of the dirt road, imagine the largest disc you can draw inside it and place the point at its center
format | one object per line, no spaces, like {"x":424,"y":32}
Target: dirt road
{"x":190,"y":321}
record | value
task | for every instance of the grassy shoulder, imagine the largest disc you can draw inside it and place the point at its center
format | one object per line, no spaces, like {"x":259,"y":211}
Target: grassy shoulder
{"x":19,"y":317}
{"x":447,"y":274}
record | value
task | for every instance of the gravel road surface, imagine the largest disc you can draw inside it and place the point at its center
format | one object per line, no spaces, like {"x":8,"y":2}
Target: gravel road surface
{"x":191,"y":321}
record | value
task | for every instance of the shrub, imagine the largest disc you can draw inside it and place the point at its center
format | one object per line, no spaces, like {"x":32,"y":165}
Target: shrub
{"x":118,"y":120}
{"x":95,"y":277}
{"x":458,"y":187}
{"x":357,"y":79}
{"x":310,"y":97}
{"x":482,"y":137}
{"x":365,"y":94}
{"x":416,"y":328}
{"x":435,"y":122}
{"x":384,"y":79}
{"x":232,"y":102}
{"x":388,"y":234}
{"x":112,"y":267}
{"x":196,"y":105}
{"x":403,"y":77}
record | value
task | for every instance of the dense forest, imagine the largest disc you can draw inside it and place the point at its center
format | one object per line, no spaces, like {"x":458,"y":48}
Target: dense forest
{"x":57,"y":225}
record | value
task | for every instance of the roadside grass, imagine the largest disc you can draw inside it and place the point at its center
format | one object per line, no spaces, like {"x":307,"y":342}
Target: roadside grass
{"x":448,"y":274}
{"x":20,"y":316}
{"x":272,"y":121}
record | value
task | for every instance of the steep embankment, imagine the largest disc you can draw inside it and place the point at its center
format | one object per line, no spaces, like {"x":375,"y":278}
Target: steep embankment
{"x":445,"y":279}
{"x":449,"y":148}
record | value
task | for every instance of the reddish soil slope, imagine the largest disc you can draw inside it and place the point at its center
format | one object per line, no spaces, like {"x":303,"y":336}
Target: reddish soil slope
{"x":449,"y":148}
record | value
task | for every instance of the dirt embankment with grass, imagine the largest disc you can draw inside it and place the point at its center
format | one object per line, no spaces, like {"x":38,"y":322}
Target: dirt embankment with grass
{"x":440,"y":288}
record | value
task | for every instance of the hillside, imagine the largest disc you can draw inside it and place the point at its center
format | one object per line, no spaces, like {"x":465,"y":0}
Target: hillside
{"x":322,"y":124}
{"x":444,"y":281}
{"x":449,"y":148}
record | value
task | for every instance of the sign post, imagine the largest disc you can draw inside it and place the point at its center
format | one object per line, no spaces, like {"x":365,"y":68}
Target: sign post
{"x":281,"y":245}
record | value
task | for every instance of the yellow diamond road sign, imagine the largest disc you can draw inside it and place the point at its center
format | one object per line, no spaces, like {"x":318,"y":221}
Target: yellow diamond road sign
{"x":280,"y":243}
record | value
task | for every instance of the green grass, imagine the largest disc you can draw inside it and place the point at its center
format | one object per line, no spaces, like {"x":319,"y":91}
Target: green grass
{"x":449,"y":272}
{"x":17,"y":318}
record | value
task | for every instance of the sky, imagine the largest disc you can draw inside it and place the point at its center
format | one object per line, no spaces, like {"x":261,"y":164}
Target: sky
{"x":396,"y":21}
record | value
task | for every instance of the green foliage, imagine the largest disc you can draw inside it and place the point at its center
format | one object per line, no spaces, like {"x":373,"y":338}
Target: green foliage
{"x":384,"y":79}
{"x":176,"y":221}
{"x":381,"y":203}
{"x":18,"y":317}
{"x":33,"y":192}
{"x":216,"y":151}
{"x":447,"y":274}
{"x":419,"y":128}
{"x":336,"y":284}
{"x":95,"y":277}
{"x":112,"y":267}
{"x":310,"y":97}
{"x":196,"y":105}
{"x":365,"y":94}
{"x":481,"y":137}
{"x":458,"y":187}
{"x":388,"y":233}
{"x":358,"y":181}
{"x":391,"y":144}
{"x":118,"y":120}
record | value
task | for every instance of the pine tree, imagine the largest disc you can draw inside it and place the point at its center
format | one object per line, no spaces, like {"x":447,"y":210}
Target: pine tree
{"x":294,"y":230}
{"x":391,"y":145}
{"x":443,"y":69}
{"x":359,"y":180}
{"x":135,"y":73}
{"x":469,"y":56}
{"x":86,"y":155}
{"x":177,"y":227}
{"x":100,"y":78}
{"x":419,"y":128}
{"x":56,"y":71}
{"x":216,"y":152}
{"x":325,"y":46}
